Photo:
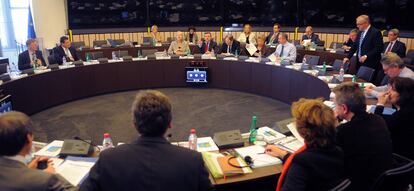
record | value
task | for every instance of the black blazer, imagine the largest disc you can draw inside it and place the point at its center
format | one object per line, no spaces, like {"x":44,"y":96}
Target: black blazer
{"x":401,"y":126}
{"x":148,"y":164}
{"x":315,"y":169}
{"x":275,"y":41}
{"x":314,"y":38}
{"x":349,"y":43}
{"x":367,"y":146}
{"x":24,"y":61}
{"x":235,"y":46}
{"x":372,"y":46}
{"x":399,"y":48}
{"x":212,"y":46}
{"x":59,"y":53}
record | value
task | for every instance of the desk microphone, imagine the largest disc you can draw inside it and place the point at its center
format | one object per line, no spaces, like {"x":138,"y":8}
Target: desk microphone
{"x":90,"y":143}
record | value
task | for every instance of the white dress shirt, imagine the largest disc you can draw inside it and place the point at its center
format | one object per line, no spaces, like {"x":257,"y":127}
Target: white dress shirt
{"x":289,"y":51}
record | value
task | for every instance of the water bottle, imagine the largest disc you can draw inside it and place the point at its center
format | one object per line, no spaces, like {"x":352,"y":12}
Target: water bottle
{"x":341,"y":74}
{"x":192,"y":140}
{"x":260,"y":57}
{"x":107,"y":142}
{"x":324,"y":68}
{"x":354,"y":78}
{"x":64,"y":60}
{"x":88,"y":58}
{"x":9,"y":69}
{"x":113,"y":55}
{"x":253,"y":130}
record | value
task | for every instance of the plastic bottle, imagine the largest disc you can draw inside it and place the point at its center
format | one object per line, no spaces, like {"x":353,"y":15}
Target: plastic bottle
{"x":64,"y":60}
{"x":113,"y":55}
{"x":253,"y":130}
{"x":88,"y":58}
{"x":341,"y":74}
{"x":107,"y":141}
{"x":354,"y":78}
{"x":192,"y":140}
{"x":324,"y":68}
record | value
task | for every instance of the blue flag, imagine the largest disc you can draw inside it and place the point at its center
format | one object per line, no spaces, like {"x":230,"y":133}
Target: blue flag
{"x":30,"y":28}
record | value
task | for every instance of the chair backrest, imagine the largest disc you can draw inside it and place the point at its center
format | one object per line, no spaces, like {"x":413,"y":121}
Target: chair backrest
{"x":96,"y":55}
{"x":51,"y":59}
{"x":312,"y":59}
{"x":99,"y":43}
{"x":170,"y":39}
{"x":337,"y":64}
{"x":338,"y":44}
{"x":410,"y":54}
{"x":396,"y":179}
{"x":365,"y":73}
{"x":121,"y":53}
{"x":79,"y":44}
{"x":296,"y":42}
{"x":119,"y":41}
{"x":3,"y":68}
{"x":385,"y":80}
{"x":321,"y":43}
{"x":146,"y":52}
{"x":344,"y":185}
{"x":146,"y":40}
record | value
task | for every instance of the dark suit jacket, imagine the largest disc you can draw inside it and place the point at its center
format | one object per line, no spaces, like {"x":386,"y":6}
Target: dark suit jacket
{"x":399,"y":48}
{"x":211,"y":47}
{"x":401,"y":126}
{"x":235,"y":46}
{"x":367,"y":145}
{"x":15,"y":176}
{"x":372,"y":46}
{"x":349,"y":43}
{"x":59,"y":53}
{"x":24,"y":61}
{"x":148,"y":164}
{"x":315,"y":169}
{"x":314,"y":38}
{"x":275,"y":41}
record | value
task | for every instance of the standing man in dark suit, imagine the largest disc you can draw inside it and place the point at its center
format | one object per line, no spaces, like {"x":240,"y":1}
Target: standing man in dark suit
{"x":368,"y":46}
{"x":273,"y":37}
{"x":365,"y":138}
{"x":394,"y":45}
{"x":310,"y":35}
{"x":207,"y":45}
{"x":16,"y":173}
{"x":32,"y":56}
{"x":65,"y":50}
{"x":150,"y":162}
{"x":230,"y":45}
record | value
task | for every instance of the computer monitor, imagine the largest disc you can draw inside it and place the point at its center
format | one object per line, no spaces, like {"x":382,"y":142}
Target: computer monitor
{"x":5,"y":104}
{"x":3,"y":68}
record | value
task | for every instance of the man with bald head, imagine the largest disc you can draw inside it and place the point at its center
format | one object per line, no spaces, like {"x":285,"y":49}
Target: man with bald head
{"x":310,"y":35}
{"x":368,"y":46}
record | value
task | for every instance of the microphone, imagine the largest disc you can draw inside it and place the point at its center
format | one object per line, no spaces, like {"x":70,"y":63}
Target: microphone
{"x":90,"y":143}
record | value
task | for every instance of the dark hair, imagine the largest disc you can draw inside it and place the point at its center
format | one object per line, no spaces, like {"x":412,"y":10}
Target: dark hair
{"x":151,"y":113}
{"x":351,"y":95}
{"x":245,"y":24}
{"x":14,"y":128}
{"x":277,"y":24}
{"x":189,"y":28}
{"x":404,"y":87}
{"x":63,"y":39}
{"x":315,"y":122}
{"x":30,"y":41}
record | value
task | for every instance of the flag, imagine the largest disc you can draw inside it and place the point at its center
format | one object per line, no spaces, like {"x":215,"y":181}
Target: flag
{"x":30,"y":28}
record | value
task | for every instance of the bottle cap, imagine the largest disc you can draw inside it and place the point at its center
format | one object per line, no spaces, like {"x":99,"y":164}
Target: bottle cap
{"x":193,"y":131}
{"x":106,"y":135}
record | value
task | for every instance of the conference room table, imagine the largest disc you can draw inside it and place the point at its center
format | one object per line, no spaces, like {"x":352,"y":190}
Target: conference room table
{"x":40,"y":91}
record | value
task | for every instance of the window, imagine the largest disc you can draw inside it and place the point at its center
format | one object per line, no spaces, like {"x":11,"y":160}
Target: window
{"x":19,"y":12}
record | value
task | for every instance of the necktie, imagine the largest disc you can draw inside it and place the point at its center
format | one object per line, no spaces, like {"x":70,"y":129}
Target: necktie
{"x":208,"y":43}
{"x":281,"y":52}
{"x":247,"y":40}
{"x":360,"y":43}
{"x":389,"y":47}
{"x":228,"y":48}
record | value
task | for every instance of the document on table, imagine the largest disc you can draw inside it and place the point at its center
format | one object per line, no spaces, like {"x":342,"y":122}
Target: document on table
{"x":75,"y":169}
{"x":292,"y":128}
{"x":251,"y":48}
{"x":306,"y":42}
{"x":50,"y":150}
{"x":289,"y":143}
{"x":387,"y":110}
{"x":272,"y":57}
{"x":258,"y":155}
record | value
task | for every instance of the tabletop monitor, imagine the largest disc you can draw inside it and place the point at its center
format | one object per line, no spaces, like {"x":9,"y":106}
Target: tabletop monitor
{"x":196,"y":74}
{"x":5,"y":104}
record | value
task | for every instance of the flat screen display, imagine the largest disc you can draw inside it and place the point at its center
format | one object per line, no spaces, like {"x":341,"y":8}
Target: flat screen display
{"x":5,"y":104}
{"x":196,"y":74}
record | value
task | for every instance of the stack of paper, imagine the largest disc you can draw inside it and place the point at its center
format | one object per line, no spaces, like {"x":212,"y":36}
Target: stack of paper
{"x":251,"y":48}
{"x":75,"y":169}
{"x":50,"y":150}
{"x":204,"y":144}
{"x":219,"y":167}
{"x":289,"y":143}
{"x":270,"y":135}
{"x":294,"y":131}
{"x":258,"y":155}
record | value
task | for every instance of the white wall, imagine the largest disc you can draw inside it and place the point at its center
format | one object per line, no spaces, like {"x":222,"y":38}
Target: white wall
{"x":50,"y":20}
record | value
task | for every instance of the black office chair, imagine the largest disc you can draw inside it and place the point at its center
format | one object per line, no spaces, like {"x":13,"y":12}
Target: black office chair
{"x":121,"y":53}
{"x":312,"y":59}
{"x":51,"y":60}
{"x":147,"y":52}
{"x":409,"y":58}
{"x":385,"y":80}
{"x":338,"y":63}
{"x":338,"y":45}
{"x":300,"y":47}
{"x":78,"y":45}
{"x":3,"y":68}
{"x":119,"y":42}
{"x":146,"y":40}
{"x":100,"y":43}
{"x":365,"y":73}
{"x":321,"y":43}
{"x":320,"y":48}
{"x":96,"y":55}
{"x":170,"y":39}
{"x":398,"y":178}
{"x":343,"y":186}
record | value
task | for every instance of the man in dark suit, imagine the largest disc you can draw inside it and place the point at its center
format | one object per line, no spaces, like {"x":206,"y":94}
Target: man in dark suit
{"x":394,"y":45}
{"x":16,"y":139}
{"x":310,"y":35}
{"x":368,"y":46}
{"x":65,"y":50}
{"x":230,"y":45}
{"x":150,"y":162}
{"x":351,"y":40}
{"x":365,"y":138}
{"x":32,"y":56}
{"x":273,"y":37}
{"x":207,"y":45}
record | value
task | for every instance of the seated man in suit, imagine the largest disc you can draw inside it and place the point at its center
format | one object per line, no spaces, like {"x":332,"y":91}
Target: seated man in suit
{"x":273,"y":37}
{"x":365,"y":139}
{"x":393,"y":66}
{"x":207,"y":45}
{"x":17,"y":174}
{"x":150,"y":162}
{"x":285,"y":50}
{"x":247,"y":36}
{"x":65,"y":50}
{"x":351,"y":40}
{"x":230,"y":46}
{"x":310,"y":35}
{"x":394,"y":45}
{"x":32,"y":56}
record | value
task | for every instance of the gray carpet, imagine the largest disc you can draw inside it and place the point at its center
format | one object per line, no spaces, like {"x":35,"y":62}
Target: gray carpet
{"x":206,"y":110}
